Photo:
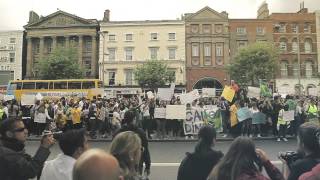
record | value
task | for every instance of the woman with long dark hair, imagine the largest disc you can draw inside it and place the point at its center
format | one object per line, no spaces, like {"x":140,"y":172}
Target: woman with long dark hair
{"x":244,"y":162}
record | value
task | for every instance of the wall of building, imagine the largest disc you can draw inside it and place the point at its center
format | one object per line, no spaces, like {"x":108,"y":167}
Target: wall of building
{"x":10,"y":56}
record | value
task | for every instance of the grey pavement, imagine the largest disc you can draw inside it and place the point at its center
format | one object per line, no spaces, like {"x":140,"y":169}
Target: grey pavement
{"x":166,"y":156}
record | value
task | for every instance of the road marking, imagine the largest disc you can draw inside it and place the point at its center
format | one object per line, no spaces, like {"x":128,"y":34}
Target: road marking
{"x":178,"y":164}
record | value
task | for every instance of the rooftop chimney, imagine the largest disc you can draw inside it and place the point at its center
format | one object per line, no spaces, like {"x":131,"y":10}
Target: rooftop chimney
{"x":106,"y":16}
{"x":302,"y":8}
{"x":224,"y":13}
{"x":33,"y":17}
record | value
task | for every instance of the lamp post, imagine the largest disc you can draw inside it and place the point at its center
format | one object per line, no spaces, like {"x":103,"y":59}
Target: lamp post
{"x":102,"y":34}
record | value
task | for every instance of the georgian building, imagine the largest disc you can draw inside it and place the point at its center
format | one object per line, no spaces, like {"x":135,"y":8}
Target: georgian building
{"x":126,"y":44}
{"x":207,"y":49}
{"x":61,"y":29}
{"x":11,"y":43}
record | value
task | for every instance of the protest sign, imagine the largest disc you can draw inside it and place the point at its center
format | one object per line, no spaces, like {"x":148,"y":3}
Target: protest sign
{"x":213,"y":117}
{"x":8,"y":97}
{"x":243,"y":114}
{"x":253,"y":92}
{"x":208,"y":92}
{"x":288,"y":115}
{"x":160,"y":113}
{"x":259,"y":118}
{"x":27,"y":99}
{"x":194,"y":121}
{"x":189,"y":97}
{"x":285,"y":90}
{"x":165,"y":94}
{"x":150,"y":95}
{"x":313,"y":91}
{"x":228,"y":93}
{"x":39,"y":96}
{"x":176,"y":112}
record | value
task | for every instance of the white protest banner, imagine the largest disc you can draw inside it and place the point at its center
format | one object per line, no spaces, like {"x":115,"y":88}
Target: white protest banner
{"x":285,"y":90}
{"x":176,"y":112}
{"x":244,"y":114}
{"x":165,"y":94}
{"x":208,"y":92}
{"x":150,"y":95}
{"x":313,"y":91}
{"x":8,"y":97}
{"x":27,"y":99}
{"x":160,"y":113}
{"x":253,"y":92}
{"x":194,"y":121}
{"x":288,"y":115}
{"x":189,"y":97}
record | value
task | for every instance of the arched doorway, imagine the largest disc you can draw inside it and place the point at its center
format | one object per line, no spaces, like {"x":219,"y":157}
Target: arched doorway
{"x":209,"y":82}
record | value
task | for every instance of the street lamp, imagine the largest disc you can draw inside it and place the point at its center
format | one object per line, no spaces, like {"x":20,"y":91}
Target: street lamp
{"x":102,"y":34}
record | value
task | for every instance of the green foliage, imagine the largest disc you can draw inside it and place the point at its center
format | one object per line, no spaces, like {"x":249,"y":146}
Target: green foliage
{"x":60,"y":64}
{"x":254,"y":62}
{"x":153,"y":74}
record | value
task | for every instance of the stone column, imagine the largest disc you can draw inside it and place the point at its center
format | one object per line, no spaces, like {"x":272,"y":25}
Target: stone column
{"x":201,"y":54}
{"x":67,"y":42}
{"x":41,"y":52}
{"x":80,"y":45}
{"x":29,"y":57}
{"x":94,"y":57}
{"x":54,"y":43}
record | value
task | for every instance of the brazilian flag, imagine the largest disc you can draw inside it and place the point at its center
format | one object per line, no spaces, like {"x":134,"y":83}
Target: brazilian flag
{"x":264,"y":90}
{"x":214,"y":118}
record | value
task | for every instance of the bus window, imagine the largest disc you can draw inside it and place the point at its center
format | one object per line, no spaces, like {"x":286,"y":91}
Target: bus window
{"x":15,"y":86}
{"x":88,"y":85}
{"x":50,"y":85}
{"x":74,"y":85}
{"x":60,"y":85}
{"x":41,"y":85}
{"x":28,"y":85}
{"x":99,"y":84}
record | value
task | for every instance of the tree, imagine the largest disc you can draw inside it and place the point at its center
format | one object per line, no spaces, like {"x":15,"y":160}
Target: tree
{"x":153,"y":74}
{"x":62,"y":63}
{"x":253,"y":63}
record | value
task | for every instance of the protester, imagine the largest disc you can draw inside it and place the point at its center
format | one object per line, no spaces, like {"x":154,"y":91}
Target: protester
{"x":309,"y":147}
{"x":126,"y":147}
{"x":244,"y":162}
{"x":282,"y":124}
{"x":98,"y":165}
{"x":72,"y":143}
{"x":15,"y":164}
{"x":197,"y":165}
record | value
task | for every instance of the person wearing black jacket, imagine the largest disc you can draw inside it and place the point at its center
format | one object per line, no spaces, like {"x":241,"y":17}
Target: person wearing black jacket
{"x":198,"y":165}
{"x":128,"y":125}
{"x":15,"y":164}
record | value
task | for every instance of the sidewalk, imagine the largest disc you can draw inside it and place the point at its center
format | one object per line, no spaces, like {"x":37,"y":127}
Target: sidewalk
{"x":178,"y":139}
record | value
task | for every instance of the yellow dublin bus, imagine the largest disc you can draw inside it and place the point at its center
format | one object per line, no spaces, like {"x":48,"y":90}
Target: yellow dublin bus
{"x":56,"y":88}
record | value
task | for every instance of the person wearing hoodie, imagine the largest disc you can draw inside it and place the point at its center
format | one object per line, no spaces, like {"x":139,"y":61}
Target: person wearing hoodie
{"x":72,"y":143}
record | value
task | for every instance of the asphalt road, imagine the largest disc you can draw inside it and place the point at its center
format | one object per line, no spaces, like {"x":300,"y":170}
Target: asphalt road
{"x":166,"y":156}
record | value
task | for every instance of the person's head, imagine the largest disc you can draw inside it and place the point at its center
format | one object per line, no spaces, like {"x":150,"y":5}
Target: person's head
{"x":96,"y":164}
{"x":207,"y":137}
{"x":308,"y":138}
{"x":73,"y":142}
{"x":126,"y":147}
{"x":241,"y":157}
{"x":129,"y":117}
{"x":13,"y":129}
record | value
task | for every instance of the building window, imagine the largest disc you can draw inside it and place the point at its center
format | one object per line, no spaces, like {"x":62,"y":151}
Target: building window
{"x":241,"y":44}
{"x":219,"y":49}
{"x":128,"y":52}
{"x":194,"y":28}
{"x":112,"y":37}
{"x":295,"y":69}
{"x":129,"y":37}
{"x":207,"y":49}
{"x":241,"y":30}
{"x":87,"y":45}
{"x":172,"y":53}
{"x":154,"y":36}
{"x":12,"y":40}
{"x":172,"y":36}
{"x":308,"y":68}
{"x":294,"y":45}
{"x":206,"y":28}
{"x":283,"y":45}
{"x":36,"y":47}
{"x":153,"y":52}
{"x":284,"y":68}
{"x":195,"y":49}
{"x":112,"y":77}
{"x":129,"y":77}
{"x":282,"y":28}
{"x":306,"y":27}
{"x":112,"y":54}
{"x":308,"y":46}
{"x":295,"y":28}
{"x":260,"y":30}
{"x":218,"y":28}
{"x":49,"y":45}
{"x":12,"y":57}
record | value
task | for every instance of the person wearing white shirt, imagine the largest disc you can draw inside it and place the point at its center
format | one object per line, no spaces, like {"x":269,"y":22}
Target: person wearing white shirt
{"x":72,"y":143}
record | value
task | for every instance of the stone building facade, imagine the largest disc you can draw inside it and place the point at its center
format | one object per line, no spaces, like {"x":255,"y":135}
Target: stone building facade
{"x":11,"y":45}
{"x":207,"y":49}
{"x":61,"y":29}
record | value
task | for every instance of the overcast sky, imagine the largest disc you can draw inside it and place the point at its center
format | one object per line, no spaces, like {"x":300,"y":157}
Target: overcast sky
{"x":14,"y":13}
